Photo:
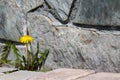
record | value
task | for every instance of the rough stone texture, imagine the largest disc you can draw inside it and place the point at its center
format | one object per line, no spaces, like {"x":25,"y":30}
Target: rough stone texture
{"x":102,"y":76}
{"x":13,"y":17}
{"x":60,"y":8}
{"x":63,"y":74}
{"x":40,"y":29}
{"x":74,"y":9}
{"x":98,"y":12}
{"x":75,"y":47}
{"x":42,"y":32}
{"x":11,"y":21}
{"x":19,"y":75}
{"x":27,"y":5}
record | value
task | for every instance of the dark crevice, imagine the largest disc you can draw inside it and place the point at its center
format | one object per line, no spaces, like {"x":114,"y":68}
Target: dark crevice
{"x":47,"y":5}
{"x":34,"y":9}
{"x":4,"y":41}
{"x":71,"y":9}
{"x":50,"y":10}
{"x":81,"y":57}
{"x":64,"y":22}
{"x":8,"y":72}
{"x":99,"y":27}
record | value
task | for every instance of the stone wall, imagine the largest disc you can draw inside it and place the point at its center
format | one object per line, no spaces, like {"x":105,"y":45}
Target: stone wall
{"x":79,"y":33}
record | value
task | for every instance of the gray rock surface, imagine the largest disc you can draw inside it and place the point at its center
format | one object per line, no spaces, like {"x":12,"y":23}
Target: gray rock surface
{"x":11,"y":21}
{"x":13,"y":17}
{"x":75,"y":47}
{"x":42,"y":32}
{"x":27,"y":5}
{"x":60,"y":8}
{"x":40,"y":29}
{"x":98,"y":12}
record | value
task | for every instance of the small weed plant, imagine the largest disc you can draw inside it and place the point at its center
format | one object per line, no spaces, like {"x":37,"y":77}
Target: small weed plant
{"x":32,"y":61}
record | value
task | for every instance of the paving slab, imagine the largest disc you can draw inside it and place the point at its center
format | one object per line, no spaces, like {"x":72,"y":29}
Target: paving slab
{"x":20,"y":75}
{"x":102,"y":76}
{"x":6,"y":69}
{"x":63,"y":74}
{"x":1,"y":74}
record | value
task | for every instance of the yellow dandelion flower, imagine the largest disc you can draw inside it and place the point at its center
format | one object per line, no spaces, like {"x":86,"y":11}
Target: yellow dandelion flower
{"x":26,"y":39}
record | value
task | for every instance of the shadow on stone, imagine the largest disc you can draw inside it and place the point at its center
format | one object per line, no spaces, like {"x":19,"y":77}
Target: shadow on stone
{"x":16,"y":43}
{"x":99,"y":27}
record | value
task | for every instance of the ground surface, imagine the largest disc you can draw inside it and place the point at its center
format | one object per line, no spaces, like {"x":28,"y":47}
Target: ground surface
{"x":58,"y":74}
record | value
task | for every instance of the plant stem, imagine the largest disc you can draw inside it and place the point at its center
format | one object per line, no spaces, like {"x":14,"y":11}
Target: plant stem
{"x":27,"y":56}
{"x":27,"y":51}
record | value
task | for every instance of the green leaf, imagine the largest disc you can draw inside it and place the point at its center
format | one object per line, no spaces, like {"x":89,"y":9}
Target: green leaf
{"x":30,"y":62}
{"x":6,"y":50}
{"x":43,"y":58}
{"x":16,"y":52}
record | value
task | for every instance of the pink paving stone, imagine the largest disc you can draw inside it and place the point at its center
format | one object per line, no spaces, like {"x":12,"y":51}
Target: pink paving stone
{"x":102,"y":76}
{"x":19,"y":75}
{"x":63,"y":74}
{"x":5,"y":69}
{"x":1,"y":74}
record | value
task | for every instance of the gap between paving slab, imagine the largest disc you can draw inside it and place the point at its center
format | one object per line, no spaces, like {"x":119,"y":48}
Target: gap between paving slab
{"x":6,"y":69}
{"x":102,"y":76}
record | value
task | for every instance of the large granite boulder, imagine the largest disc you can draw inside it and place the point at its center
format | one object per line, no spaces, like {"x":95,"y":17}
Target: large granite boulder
{"x":11,"y":21}
{"x":13,"y":17}
{"x":41,"y":30}
{"x":60,"y":8}
{"x":75,"y":47}
{"x":97,"y":12}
